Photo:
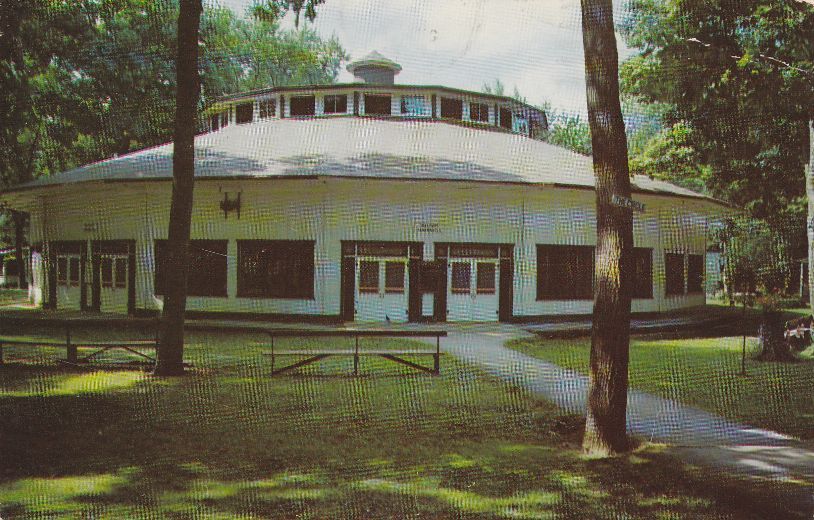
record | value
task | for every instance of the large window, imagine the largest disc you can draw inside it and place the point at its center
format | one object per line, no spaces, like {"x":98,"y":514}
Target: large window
{"x":207,"y":267}
{"x":275,"y":269}
{"x":452,"y":108}
{"x":335,"y":104}
{"x":565,"y":272}
{"x":643,"y":272}
{"x":302,"y":105}
{"x":377,"y":105}
{"x":695,"y":274}
{"x":244,"y":113}
{"x":674,"y":273}
{"x":479,"y":112}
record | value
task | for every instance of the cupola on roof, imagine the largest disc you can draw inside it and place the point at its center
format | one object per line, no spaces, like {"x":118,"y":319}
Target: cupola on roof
{"x":374,"y":68}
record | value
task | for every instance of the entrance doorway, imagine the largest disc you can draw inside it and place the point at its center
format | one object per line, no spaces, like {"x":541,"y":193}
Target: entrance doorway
{"x":67,"y":273}
{"x":473,"y":289}
{"x":381,"y":289}
{"x":114,"y":276}
{"x":479,"y":281}
{"x":379,"y":281}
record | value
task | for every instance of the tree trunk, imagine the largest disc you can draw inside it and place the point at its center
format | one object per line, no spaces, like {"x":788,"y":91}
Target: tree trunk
{"x":773,"y":346}
{"x":171,"y":339}
{"x":810,"y":227}
{"x":20,"y":220}
{"x":605,"y":427}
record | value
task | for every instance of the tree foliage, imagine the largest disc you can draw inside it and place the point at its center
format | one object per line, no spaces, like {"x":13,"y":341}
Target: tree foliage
{"x":83,"y":80}
{"x":730,"y":77}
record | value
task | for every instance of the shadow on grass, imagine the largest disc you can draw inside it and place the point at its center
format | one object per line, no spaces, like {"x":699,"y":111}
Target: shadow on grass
{"x":228,"y":440}
{"x":125,"y":444}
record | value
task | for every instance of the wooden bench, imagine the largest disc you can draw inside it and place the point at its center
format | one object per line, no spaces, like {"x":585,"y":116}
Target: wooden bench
{"x":395,"y":355}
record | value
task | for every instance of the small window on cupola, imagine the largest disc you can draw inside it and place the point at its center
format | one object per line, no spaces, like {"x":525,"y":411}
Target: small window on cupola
{"x":378,"y":105}
{"x":452,"y":108}
{"x":268,"y":108}
{"x":479,"y":112}
{"x":336,"y":104}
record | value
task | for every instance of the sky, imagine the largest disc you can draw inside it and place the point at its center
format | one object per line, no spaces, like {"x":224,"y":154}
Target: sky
{"x":534,"y":45}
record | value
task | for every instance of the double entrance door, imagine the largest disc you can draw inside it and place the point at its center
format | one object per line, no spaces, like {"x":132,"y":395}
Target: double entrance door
{"x":474,"y":285}
{"x":94,"y":276}
{"x":382,"y":289}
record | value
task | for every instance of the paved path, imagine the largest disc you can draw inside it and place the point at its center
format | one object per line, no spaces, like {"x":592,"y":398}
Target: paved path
{"x":699,"y":437}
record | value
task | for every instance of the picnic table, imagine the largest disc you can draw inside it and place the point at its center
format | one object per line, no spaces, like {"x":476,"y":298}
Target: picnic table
{"x":396,"y":355}
{"x":72,"y":346}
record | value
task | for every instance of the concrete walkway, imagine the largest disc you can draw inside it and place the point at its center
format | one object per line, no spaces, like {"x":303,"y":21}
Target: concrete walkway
{"x":698,"y":437}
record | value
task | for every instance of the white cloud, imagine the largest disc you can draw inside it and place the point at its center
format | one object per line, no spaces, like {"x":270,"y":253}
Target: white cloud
{"x":535,"y":45}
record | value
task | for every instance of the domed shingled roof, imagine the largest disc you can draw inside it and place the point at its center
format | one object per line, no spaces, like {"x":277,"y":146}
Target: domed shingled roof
{"x":361,"y":148}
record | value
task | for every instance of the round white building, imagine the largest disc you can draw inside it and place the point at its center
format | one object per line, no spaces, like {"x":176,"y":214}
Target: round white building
{"x":365,"y":201}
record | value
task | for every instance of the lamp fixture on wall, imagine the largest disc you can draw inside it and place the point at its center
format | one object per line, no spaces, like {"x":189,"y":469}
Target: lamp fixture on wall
{"x":228,"y":205}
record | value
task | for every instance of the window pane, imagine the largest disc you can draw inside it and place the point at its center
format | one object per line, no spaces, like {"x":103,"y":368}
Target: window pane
{"x":479,"y":112}
{"x":275,"y":269}
{"x":506,"y":118}
{"x":486,"y":278}
{"x":461,"y":277}
{"x":643,"y":270}
{"x":473,"y":251}
{"x":107,"y":272}
{"x":207,"y":267}
{"x":413,"y":105}
{"x":565,"y":272}
{"x":452,"y":108}
{"x":520,"y":124}
{"x":674,"y":273}
{"x":383,"y":249}
{"x":268,"y":108}
{"x":394,"y":277}
{"x":368,"y":276}
{"x":695,"y":273}
{"x":62,"y":269}
{"x":244,"y":113}
{"x":377,"y":105}
{"x":336,"y":104}
{"x":302,"y":105}
{"x":121,"y":272}
{"x":74,"y":271}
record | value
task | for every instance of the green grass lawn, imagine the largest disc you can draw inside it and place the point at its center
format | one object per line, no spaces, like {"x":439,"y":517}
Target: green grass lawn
{"x":227,"y":441}
{"x":9,"y":296}
{"x":705,"y":372}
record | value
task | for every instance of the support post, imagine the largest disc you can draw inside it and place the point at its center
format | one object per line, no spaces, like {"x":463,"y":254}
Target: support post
{"x":72,"y":356}
{"x":356,"y":358}
{"x":272,"y":355}
{"x":1,"y":354}
{"x":437,"y":355}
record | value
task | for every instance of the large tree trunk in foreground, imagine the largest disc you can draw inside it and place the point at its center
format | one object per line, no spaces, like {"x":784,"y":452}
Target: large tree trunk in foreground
{"x":20,"y":220}
{"x":810,"y":226}
{"x":605,"y":427}
{"x":773,"y":344}
{"x":171,"y":340}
